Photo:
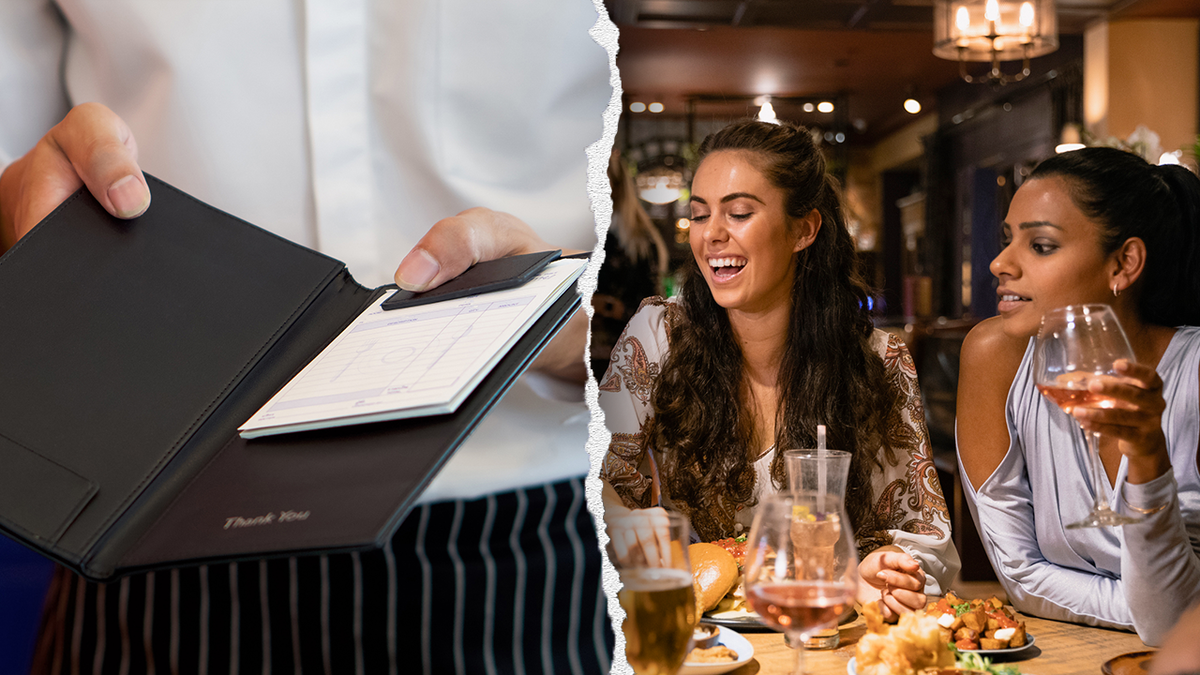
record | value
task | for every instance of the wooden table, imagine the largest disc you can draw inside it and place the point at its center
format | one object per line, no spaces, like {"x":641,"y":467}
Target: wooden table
{"x":1061,"y":649}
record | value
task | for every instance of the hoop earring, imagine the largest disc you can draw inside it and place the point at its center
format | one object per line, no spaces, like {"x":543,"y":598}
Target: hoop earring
{"x":1116,"y":293}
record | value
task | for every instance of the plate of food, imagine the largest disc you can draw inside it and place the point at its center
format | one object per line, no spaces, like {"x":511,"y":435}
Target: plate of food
{"x":915,"y":644}
{"x":987,"y":627}
{"x":720,"y":591}
{"x":731,"y":651}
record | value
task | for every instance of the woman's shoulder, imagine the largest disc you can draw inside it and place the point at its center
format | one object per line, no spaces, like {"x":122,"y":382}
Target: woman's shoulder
{"x":642,"y":345}
{"x":654,"y":314}
{"x":993,"y":351}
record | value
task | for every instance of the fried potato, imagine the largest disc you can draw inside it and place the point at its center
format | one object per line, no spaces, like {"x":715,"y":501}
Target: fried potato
{"x":975,"y":619}
{"x":989,"y":643}
{"x":1019,"y":637}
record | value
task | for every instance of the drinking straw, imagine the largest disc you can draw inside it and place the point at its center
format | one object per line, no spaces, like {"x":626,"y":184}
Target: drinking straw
{"x":821,"y":465}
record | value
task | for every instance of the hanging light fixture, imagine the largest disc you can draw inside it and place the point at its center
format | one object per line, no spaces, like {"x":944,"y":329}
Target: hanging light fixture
{"x":994,"y":31}
{"x":660,"y":184}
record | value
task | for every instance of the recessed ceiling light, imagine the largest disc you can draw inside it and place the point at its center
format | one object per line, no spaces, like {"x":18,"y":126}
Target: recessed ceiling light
{"x":655,"y":107}
{"x":637,"y":107}
{"x":825,"y":106}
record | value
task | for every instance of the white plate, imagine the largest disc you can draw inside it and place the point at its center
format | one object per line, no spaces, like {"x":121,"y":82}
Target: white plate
{"x":852,"y":667}
{"x":734,"y":641}
{"x":751,"y":622}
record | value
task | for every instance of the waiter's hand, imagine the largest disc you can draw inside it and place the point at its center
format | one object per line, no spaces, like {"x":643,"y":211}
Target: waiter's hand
{"x":454,"y":244}
{"x":91,"y":146}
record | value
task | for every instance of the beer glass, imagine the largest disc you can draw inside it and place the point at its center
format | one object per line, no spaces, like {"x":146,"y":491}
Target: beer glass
{"x":656,"y":589}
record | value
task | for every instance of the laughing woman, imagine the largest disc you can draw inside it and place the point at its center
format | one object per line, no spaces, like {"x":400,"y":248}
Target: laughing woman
{"x":1092,"y":226}
{"x":769,"y":337}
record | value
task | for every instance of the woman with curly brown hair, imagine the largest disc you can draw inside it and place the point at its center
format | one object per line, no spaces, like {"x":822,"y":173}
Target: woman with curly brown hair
{"x":769,"y":337}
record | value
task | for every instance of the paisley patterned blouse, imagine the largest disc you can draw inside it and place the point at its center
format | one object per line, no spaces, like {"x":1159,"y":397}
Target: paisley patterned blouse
{"x":910,"y":511}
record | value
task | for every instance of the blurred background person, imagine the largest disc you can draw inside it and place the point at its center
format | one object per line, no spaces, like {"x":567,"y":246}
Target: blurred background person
{"x":635,"y":263}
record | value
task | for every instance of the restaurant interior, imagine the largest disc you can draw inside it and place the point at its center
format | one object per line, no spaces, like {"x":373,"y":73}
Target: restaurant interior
{"x":928,"y":160}
{"x":929,"y":134}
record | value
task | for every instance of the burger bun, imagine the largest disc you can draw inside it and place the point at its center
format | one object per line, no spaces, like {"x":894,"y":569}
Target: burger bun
{"x":714,"y":573}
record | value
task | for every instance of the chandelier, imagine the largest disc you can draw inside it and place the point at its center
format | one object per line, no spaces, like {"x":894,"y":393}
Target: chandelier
{"x":994,"y":31}
{"x":660,"y":184}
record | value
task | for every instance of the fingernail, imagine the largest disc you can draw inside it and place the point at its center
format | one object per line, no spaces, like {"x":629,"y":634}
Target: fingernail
{"x":129,"y":197}
{"x":416,"y":270}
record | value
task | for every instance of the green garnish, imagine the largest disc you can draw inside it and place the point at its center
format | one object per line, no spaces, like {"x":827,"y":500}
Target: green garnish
{"x":976,"y":662}
{"x":741,"y":539}
{"x":959,"y":610}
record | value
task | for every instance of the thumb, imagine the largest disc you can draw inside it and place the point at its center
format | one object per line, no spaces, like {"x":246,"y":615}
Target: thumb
{"x":103,"y":153}
{"x":453,"y":244}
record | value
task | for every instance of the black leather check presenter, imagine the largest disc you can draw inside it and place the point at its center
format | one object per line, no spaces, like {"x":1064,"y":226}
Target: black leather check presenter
{"x":484,"y":277}
{"x":135,"y":350}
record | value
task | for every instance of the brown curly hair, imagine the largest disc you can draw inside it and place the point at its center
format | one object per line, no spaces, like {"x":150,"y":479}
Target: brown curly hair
{"x":828,"y":375}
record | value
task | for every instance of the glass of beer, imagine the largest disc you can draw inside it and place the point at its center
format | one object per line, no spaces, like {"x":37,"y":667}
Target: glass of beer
{"x":649,"y":550}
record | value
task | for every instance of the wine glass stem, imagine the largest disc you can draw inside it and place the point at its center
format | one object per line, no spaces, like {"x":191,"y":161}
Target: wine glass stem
{"x":799,"y":642}
{"x":1099,"y":478}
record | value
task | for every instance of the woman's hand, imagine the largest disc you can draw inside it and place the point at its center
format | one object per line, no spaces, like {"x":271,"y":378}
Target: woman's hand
{"x":92,"y":146}
{"x":640,"y":536}
{"x":1135,"y":419}
{"x":894,"y":579}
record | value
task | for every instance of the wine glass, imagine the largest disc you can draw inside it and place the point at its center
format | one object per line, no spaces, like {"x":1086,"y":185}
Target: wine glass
{"x":656,"y":590}
{"x":1076,"y":345}
{"x":801,"y":567}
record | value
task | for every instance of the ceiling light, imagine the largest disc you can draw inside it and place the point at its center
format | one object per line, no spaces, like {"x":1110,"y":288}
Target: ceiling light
{"x":1170,"y":157}
{"x":655,"y":107}
{"x":825,"y":106}
{"x":994,"y":31}
{"x":637,"y":107}
{"x":808,"y":107}
{"x":660,"y":184}
{"x":1070,"y":139}
{"x":912,"y":106}
{"x":767,"y":113}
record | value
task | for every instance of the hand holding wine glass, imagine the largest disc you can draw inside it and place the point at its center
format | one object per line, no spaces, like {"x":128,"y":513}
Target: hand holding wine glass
{"x":1135,"y":419}
{"x":1075,"y":359}
{"x":801,"y":565}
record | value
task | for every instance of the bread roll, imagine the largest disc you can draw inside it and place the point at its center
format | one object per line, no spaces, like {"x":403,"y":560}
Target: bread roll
{"x":714,"y":573}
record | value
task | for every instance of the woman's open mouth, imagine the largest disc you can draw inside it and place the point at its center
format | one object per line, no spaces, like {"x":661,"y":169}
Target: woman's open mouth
{"x":727,"y":268}
{"x":1010,"y":301}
